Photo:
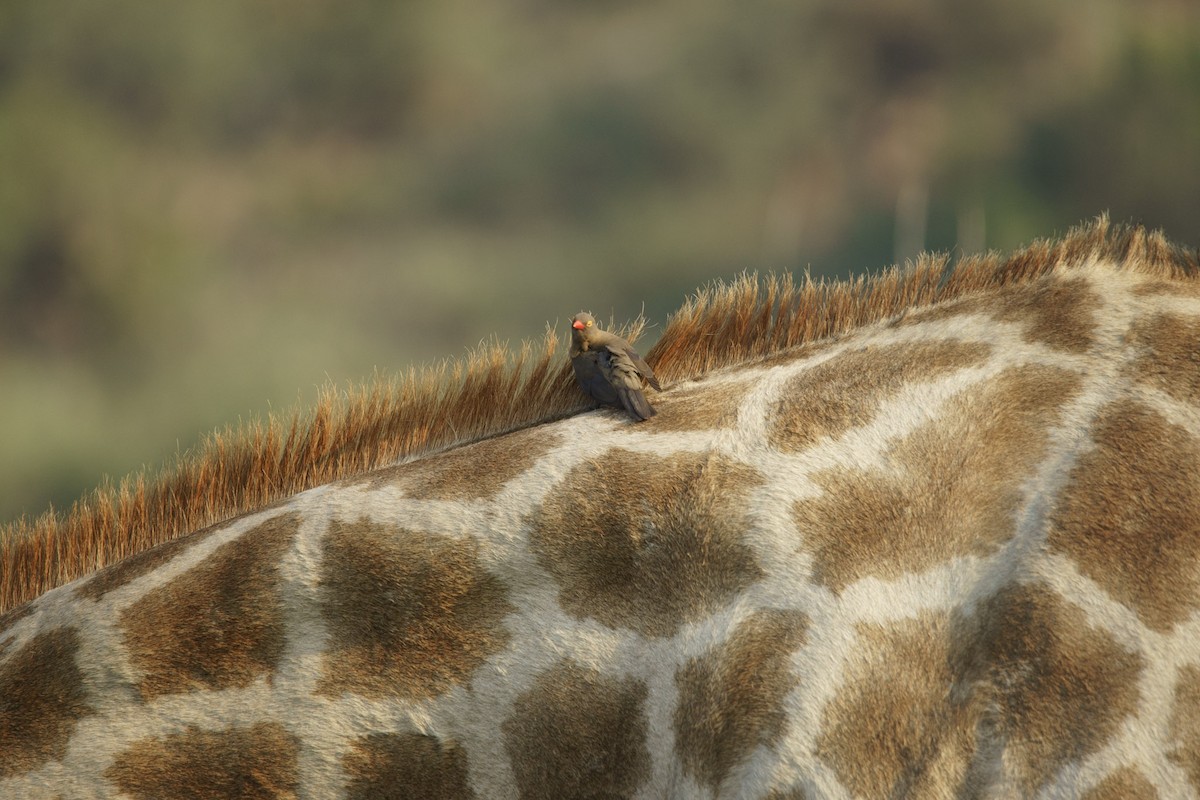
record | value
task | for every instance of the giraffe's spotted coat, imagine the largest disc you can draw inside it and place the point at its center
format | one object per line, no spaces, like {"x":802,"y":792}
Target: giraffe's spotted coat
{"x":473,"y":472}
{"x":256,"y":763}
{"x":947,"y":554}
{"x":406,"y":764}
{"x":121,"y":573}
{"x":1124,"y":784}
{"x":1169,"y":357}
{"x":410,"y":613}
{"x":902,"y":727}
{"x":1057,"y":688}
{"x":650,"y":552}
{"x":1185,"y":724}
{"x":950,"y":488}
{"x":699,"y":408}
{"x":218,"y":625}
{"x":847,"y":391}
{"x":1163,"y":288}
{"x":731,"y":699}
{"x":42,"y":697}
{"x":1056,"y":311}
{"x":1129,"y":516}
{"x":579,"y":733}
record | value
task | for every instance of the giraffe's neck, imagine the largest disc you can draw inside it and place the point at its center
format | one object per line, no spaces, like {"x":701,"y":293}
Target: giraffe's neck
{"x":954,"y":553}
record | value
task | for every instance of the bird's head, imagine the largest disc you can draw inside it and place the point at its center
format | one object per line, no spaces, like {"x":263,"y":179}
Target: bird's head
{"x":583,"y":325}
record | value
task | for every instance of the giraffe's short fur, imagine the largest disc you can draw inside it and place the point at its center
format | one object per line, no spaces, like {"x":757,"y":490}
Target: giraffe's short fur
{"x":847,"y":391}
{"x":463,"y":474}
{"x":217,"y":626}
{"x":44,"y":696}
{"x":409,"y":613}
{"x":1129,"y":516}
{"x":731,"y":699}
{"x":899,"y":727}
{"x":645,"y":542}
{"x":701,"y":407}
{"x":949,"y":488}
{"x":934,"y":536}
{"x":1170,"y":356}
{"x":1185,"y":723}
{"x":1124,"y":784}
{"x":425,"y":766}
{"x":258,"y":761}
{"x":579,"y":733}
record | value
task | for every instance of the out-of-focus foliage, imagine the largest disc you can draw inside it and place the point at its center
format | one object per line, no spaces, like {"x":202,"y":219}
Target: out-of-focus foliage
{"x":205,"y":206}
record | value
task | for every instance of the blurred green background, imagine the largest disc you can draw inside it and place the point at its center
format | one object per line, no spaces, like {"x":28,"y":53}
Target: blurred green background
{"x":208,"y":209}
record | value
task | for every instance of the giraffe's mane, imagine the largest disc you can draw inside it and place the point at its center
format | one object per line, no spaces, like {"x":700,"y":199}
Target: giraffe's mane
{"x":492,"y":391}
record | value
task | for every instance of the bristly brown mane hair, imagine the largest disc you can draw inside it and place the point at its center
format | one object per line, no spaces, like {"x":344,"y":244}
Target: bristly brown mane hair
{"x":492,"y":391}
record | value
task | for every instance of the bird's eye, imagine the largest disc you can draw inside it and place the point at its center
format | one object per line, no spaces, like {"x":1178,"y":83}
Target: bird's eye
{"x":589,"y":324}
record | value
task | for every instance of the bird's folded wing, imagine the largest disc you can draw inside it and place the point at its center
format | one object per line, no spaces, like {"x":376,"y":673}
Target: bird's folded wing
{"x":628,"y":354}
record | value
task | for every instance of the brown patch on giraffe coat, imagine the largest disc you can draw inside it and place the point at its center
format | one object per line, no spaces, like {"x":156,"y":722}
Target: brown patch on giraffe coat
{"x":1055,"y":310}
{"x":791,"y":355}
{"x":701,"y":407}
{"x":900,"y":727}
{"x":952,"y":488}
{"x":939,"y":705}
{"x":1127,"y":783}
{"x":635,"y":540}
{"x":1185,"y":724}
{"x":578,"y":733}
{"x":410,"y":613}
{"x":1129,"y":516}
{"x":244,"y":762}
{"x":796,"y":793}
{"x":408,"y":765}
{"x":731,"y":699}
{"x":1058,"y":311}
{"x":848,"y":390}
{"x":42,"y":697}
{"x":1056,"y":688}
{"x":220,"y":624}
{"x":139,"y":564}
{"x":1169,"y":288}
{"x":1171,"y":361}
{"x":471,"y":472}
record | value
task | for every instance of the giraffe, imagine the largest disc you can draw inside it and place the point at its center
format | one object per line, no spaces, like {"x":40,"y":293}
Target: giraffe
{"x":943,"y":541}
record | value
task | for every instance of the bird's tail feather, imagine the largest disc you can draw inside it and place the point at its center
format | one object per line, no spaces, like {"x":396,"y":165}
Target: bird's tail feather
{"x":636,"y":404}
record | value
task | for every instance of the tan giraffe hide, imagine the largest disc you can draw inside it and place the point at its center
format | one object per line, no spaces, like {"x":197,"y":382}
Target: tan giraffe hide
{"x":952,"y":550}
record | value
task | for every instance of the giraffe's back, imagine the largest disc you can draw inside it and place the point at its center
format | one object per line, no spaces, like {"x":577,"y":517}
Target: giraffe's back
{"x":954,"y":554}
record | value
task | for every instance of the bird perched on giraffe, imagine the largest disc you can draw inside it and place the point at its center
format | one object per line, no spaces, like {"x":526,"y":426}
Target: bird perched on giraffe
{"x":609,"y":369}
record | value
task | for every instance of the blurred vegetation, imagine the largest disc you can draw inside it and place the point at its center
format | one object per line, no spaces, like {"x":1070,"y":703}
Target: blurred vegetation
{"x":205,"y":208}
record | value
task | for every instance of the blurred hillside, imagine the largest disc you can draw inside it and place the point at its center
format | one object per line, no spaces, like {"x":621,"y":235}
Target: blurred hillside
{"x":207,"y":209}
